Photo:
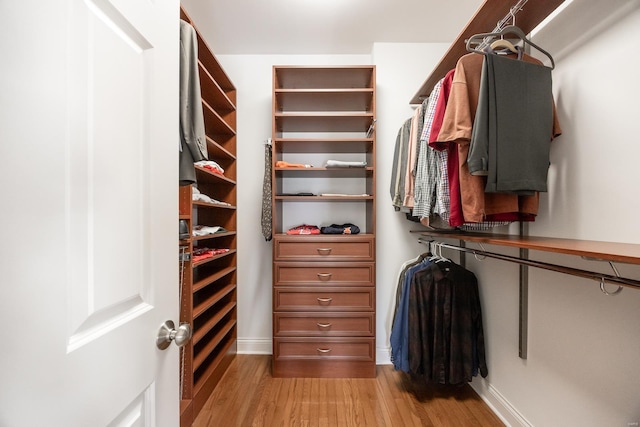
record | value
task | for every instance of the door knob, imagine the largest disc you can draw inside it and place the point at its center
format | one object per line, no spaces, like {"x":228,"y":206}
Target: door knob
{"x":168,"y":333}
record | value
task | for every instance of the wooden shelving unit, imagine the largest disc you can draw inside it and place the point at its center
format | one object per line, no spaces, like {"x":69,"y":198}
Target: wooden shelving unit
{"x":324,"y":285}
{"x":606,"y":251}
{"x":209,"y":288}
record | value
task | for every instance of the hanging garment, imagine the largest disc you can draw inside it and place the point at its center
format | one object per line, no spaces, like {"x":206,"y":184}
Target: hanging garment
{"x":512,"y":130}
{"x":426,"y":176}
{"x":457,"y":127}
{"x":193,"y":143}
{"x":399,"y":338}
{"x":398,"y":172}
{"x":446,"y":338}
{"x":412,"y":157}
{"x":266,"y":217}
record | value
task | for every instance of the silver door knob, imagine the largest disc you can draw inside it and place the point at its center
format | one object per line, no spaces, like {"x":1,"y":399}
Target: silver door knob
{"x":168,"y":333}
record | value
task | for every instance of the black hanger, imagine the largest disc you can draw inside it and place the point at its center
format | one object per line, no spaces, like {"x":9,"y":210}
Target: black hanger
{"x":478,"y":40}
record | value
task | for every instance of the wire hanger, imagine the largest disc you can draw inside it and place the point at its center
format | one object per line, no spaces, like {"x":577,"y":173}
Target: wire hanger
{"x":477,"y":39}
{"x":503,"y":43}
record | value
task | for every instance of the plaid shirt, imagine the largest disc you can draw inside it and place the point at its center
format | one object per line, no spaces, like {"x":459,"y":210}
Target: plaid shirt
{"x":427,"y":169}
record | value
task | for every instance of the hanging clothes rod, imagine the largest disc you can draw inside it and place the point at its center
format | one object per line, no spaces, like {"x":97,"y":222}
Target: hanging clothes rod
{"x":501,"y":25}
{"x":599,"y":277}
{"x":511,"y":16}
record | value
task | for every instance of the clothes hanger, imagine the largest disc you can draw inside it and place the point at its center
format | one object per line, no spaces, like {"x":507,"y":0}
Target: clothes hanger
{"x":477,"y":40}
{"x":503,"y":44}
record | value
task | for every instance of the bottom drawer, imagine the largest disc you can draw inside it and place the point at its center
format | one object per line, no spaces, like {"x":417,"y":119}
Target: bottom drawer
{"x":324,"y":348}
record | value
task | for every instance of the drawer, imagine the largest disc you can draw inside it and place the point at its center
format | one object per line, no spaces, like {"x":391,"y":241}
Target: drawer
{"x":329,"y":299}
{"x":323,"y":324}
{"x":324,"y":273}
{"x":327,"y":248}
{"x":324,"y":348}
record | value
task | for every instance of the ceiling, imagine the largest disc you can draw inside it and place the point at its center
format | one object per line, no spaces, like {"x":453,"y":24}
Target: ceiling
{"x":325,"y":26}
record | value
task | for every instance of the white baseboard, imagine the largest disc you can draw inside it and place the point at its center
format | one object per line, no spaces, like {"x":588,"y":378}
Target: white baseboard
{"x":254,"y":346}
{"x":499,"y":404}
{"x":383,"y":356}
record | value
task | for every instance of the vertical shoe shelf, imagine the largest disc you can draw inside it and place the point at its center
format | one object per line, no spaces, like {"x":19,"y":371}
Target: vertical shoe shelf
{"x":323,"y":285}
{"x":208,"y":291}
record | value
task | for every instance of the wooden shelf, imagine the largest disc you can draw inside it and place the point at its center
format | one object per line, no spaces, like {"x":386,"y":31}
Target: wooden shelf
{"x":213,"y":278}
{"x":213,"y":236}
{"x":324,"y":172}
{"x":290,"y":100}
{"x":484,"y":21}
{"x":323,"y":145}
{"x":200,"y":333}
{"x":607,"y":251}
{"x":212,"y":300}
{"x":212,"y":344}
{"x":208,"y":379}
{"x":213,"y":258}
{"x":323,"y":198}
{"x":326,"y":122}
{"x":213,"y":93}
{"x":328,"y":77}
{"x":213,"y":205}
{"x":217,"y":151}
{"x":212,"y":176}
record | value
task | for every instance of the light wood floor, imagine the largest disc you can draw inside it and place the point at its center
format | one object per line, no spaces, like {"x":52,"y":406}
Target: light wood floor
{"x":247,"y":395}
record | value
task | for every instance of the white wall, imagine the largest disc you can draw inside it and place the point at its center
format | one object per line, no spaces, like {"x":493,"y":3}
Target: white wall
{"x":584,"y":347}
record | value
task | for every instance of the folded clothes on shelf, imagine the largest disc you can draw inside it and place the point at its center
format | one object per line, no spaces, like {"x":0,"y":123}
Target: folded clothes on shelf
{"x":343,"y":164}
{"x":200,"y":254}
{"x":204,"y":230}
{"x":283,"y":164}
{"x":304,"y":229}
{"x":197,"y":196}
{"x":340,"y":229}
{"x":211,"y":166}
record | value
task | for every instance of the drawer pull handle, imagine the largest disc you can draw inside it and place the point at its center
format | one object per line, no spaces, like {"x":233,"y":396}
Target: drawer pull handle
{"x":327,"y":300}
{"x":324,"y":276}
{"x":323,"y":350}
{"x":324,"y":325}
{"x":324,"y":251}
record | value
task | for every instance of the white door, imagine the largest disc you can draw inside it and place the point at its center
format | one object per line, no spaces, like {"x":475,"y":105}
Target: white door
{"x":88,"y":212}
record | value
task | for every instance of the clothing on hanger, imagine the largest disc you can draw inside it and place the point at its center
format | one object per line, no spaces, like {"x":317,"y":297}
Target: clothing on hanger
{"x":193,"y":143}
{"x":457,"y":128}
{"x":437,"y":332}
{"x":511,"y":138}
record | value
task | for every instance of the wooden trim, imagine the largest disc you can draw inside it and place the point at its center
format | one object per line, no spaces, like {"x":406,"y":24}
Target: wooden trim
{"x":607,"y":251}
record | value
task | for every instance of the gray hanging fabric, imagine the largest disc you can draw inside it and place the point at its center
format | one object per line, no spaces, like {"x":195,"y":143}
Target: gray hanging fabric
{"x":193,"y":143}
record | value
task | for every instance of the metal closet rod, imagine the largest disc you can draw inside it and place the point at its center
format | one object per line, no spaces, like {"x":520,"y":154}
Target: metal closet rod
{"x":599,"y":277}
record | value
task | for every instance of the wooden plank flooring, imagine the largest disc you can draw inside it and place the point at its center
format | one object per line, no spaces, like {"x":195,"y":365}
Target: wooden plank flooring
{"x":247,"y":395}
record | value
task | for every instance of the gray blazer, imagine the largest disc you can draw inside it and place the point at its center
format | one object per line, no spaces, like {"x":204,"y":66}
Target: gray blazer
{"x":193,"y":145}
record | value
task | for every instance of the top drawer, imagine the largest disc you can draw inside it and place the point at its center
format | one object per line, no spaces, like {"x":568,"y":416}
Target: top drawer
{"x":324,"y":248}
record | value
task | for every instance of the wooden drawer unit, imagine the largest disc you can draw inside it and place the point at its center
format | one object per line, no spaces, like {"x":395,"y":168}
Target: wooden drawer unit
{"x":324,"y":248}
{"x":310,"y":300}
{"x":324,"y":273}
{"x":324,"y":324}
